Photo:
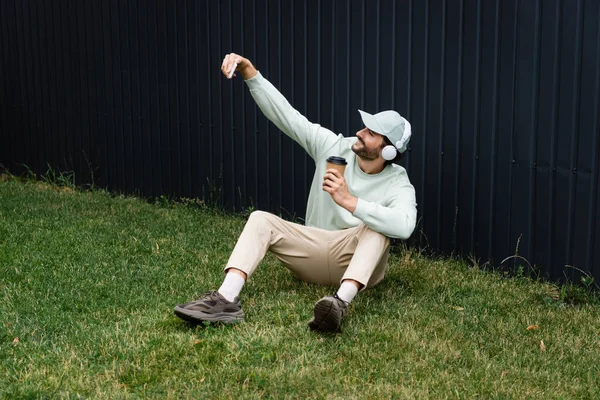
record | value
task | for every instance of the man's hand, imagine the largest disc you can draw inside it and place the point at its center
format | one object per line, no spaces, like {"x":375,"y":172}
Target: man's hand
{"x":334,"y":183}
{"x":244,"y":66}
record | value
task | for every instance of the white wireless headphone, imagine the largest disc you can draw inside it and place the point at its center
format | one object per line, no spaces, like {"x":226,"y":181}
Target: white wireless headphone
{"x":390,"y":152}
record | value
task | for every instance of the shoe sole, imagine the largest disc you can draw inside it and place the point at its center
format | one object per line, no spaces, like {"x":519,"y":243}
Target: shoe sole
{"x":195,"y":316}
{"x":324,"y":320}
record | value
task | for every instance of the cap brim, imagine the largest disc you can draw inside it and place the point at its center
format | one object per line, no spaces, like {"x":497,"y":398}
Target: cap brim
{"x":370,"y":122}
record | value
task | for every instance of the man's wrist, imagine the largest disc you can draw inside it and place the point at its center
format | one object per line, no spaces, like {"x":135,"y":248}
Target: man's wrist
{"x":248,"y":72}
{"x":350,"y":204}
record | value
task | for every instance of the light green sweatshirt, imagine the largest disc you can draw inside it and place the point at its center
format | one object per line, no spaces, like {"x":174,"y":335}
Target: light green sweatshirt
{"x":386,"y":201}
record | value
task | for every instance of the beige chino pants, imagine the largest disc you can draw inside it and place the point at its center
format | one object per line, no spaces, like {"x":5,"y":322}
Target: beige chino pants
{"x":314,"y":255}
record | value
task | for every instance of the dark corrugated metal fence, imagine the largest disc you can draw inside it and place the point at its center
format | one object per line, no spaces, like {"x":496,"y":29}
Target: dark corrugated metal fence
{"x":503,"y":96}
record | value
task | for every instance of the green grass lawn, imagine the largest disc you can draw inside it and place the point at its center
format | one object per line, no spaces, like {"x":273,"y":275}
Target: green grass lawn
{"x":88,"y":282}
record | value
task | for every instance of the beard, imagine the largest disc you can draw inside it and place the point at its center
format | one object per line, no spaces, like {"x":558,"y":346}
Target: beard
{"x":362,"y":151}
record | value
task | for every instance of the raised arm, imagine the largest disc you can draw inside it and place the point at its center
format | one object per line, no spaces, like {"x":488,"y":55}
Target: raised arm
{"x":312,"y":137}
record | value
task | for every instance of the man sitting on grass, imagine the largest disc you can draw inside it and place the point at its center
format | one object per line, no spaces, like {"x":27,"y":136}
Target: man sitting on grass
{"x":349,"y":218}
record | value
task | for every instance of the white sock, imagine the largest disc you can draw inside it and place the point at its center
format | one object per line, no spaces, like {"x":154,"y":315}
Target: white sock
{"x":347,"y":291}
{"x":232,"y":286}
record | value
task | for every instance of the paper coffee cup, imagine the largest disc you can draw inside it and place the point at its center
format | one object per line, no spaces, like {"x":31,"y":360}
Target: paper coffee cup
{"x":338,"y":163}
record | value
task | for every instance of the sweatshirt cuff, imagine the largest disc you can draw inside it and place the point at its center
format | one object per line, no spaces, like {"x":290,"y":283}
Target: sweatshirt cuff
{"x":361,"y":209}
{"x":255,"y":81}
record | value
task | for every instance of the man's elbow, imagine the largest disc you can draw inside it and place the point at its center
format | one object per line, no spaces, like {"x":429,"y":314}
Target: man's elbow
{"x":406,"y":229}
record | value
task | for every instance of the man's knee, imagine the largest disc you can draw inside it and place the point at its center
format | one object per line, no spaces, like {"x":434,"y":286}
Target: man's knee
{"x":260,"y":217}
{"x":367,"y":233}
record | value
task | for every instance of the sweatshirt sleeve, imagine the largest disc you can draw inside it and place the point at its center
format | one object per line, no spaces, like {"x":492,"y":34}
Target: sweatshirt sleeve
{"x":276,"y":108}
{"x":397,"y":219}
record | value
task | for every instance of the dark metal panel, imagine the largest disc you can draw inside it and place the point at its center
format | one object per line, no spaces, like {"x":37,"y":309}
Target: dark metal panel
{"x":172,"y":82}
{"x":450,"y":164}
{"x":146,"y":124}
{"x":111,"y":167}
{"x":150,"y":27}
{"x":98,"y":98}
{"x":20,"y":131}
{"x":524,"y":141}
{"x":65,"y":89}
{"x":125,"y":112}
{"x":193,"y":93}
{"x":86,"y":74}
{"x":36,"y":116}
{"x":593,"y":228}
{"x":544,"y":164}
{"x":25,"y":61}
{"x":587,"y":116}
{"x":469,"y":117}
{"x":139,"y":165}
{"x":74,"y":89}
{"x":436,"y":21}
{"x":183,"y":86}
{"x":502,"y":97}
{"x":567,"y":137}
{"x":5,"y":144}
{"x":163,"y":99}
{"x":418,"y":112}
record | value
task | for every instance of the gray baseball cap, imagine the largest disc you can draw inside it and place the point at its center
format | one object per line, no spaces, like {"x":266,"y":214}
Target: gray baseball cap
{"x":390,"y":124}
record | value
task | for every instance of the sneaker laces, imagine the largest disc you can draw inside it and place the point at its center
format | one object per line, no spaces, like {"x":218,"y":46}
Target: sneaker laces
{"x":345,"y":303}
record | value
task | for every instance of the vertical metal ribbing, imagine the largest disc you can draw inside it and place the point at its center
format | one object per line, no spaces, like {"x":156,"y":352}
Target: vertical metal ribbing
{"x":267,"y":126}
{"x":333,"y":65}
{"x":494,"y":158}
{"x":145,"y":158}
{"x":377,"y":58}
{"x":210,"y":111}
{"x":318,"y":65}
{"x":534,"y":132}
{"x":72,"y":89}
{"x":592,"y":211}
{"x":110,"y":114}
{"x":255,"y":112}
{"x":424,"y":122}
{"x":23,"y":122}
{"x":63,"y":118}
{"x":164,"y":142}
{"x":393,"y":85}
{"x":476,"y":125}
{"x":441,"y":131}
{"x":221,"y":111}
{"x":243,"y":128}
{"x":305,"y":87}
{"x":575,"y":130}
{"x":153,"y":166}
{"x":100,"y":91}
{"x":188,"y":83}
{"x":234,"y":129}
{"x":512,"y":120}
{"x":293,"y":94}
{"x":554,"y":132}
{"x":132,"y":171}
{"x":27,"y":98}
{"x":7,"y":142}
{"x":362,"y":55}
{"x":36,"y":91}
{"x":457,"y":158}
{"x":280,"y":135}
{"x":348,"y":46}
{"x":119,"y":73}
{"x":409,"y":72}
